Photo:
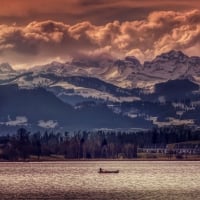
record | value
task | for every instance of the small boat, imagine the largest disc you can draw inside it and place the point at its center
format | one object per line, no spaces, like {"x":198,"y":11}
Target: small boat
{"x":102,"y":171}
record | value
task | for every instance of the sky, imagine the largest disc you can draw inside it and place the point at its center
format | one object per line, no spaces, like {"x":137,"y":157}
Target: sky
{"x":36,"y":32}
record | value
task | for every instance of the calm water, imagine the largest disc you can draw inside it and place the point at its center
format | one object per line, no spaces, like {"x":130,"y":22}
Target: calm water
{"x":80,"y":180}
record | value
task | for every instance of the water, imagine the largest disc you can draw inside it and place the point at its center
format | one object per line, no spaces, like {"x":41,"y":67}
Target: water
{"x":80,"y":180}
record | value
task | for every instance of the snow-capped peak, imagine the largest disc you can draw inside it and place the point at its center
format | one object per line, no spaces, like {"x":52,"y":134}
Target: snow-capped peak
{"x":52,"y":67}
{"x":172,"y":55}
{"x":6,"y":68}
{"x":127,"y":72}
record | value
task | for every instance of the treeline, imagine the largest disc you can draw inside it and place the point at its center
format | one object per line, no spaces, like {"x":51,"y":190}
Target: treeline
{"x":89,"y":144}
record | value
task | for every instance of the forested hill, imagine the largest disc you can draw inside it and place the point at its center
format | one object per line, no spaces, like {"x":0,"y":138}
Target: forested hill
{"x":96,"y":145}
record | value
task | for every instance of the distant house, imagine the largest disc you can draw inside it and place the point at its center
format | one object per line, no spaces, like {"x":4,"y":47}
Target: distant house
{"x":154,"y":149}
{"x":192,"y":148}
{"x":185,"y":147}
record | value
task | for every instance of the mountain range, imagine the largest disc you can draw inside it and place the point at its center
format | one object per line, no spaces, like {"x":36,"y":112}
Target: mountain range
{"x":88,"y":93}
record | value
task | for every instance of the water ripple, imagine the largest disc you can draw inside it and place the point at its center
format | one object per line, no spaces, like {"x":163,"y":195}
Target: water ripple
{"x":80,"y":180}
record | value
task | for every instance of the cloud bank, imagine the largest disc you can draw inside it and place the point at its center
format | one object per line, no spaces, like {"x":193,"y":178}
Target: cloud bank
{"x":74,"y":11}
{"x":159,"y":32}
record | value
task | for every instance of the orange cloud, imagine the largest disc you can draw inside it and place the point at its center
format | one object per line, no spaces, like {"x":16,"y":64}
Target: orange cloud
{"x":161,"y":31}
{"x":74,"y":11}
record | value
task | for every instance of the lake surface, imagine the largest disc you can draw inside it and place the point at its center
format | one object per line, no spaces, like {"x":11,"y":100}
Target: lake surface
{"x":79,"y":180}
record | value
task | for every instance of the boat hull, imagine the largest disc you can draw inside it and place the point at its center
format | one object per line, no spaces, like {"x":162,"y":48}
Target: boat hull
{"x":108,"y":172}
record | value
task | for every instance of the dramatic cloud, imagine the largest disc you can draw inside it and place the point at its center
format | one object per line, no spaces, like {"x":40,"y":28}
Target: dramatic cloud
{"x":96,"y":11}
{"x":161,"y":31}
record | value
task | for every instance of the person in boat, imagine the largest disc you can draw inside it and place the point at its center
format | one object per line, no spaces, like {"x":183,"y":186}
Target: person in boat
{"x":106,"y":171}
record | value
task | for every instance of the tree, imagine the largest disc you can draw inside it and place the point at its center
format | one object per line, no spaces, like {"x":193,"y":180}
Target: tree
{"x":23,"y":143}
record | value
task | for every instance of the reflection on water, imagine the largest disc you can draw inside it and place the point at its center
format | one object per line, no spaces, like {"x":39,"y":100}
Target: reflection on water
{"x":80,"y":180}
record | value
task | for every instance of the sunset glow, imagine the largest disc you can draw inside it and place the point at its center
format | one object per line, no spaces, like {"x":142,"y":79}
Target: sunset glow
{"x":35,"y":32}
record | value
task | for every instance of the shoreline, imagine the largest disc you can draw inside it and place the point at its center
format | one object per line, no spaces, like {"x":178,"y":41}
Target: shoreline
{"x":98,"y":160}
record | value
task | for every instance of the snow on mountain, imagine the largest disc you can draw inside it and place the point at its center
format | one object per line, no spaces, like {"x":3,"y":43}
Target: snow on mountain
{"x":169,"y":65}
{"x":70,"y":86}
{"x":125,"y":73}
{"x":30,"y":82}
{"x":120,"y":71}
{"x":89,"y":92}
{"x":116,"y":72}
{"x":6,"y":71}
{"x":129,"y":72}
{"x":173,"y":65}
{"x":170,"y":76}
{"x":6,"y":68}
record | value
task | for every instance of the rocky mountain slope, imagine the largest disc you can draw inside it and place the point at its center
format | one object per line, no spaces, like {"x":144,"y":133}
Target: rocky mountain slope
{"x":164,"y":91}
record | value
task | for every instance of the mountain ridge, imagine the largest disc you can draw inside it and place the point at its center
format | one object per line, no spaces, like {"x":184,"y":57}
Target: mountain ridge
{"x":162,"y":92}
{"x":129,"y":72}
